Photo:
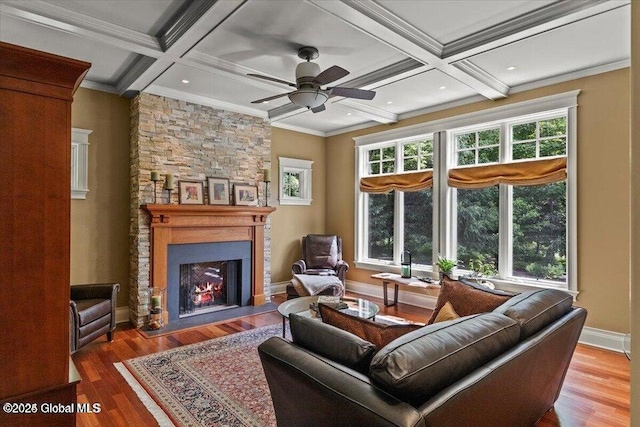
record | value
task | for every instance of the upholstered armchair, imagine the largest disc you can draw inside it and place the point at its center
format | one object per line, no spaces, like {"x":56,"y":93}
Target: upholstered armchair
{"x":321,"y":254}
{"x":92,"y":313}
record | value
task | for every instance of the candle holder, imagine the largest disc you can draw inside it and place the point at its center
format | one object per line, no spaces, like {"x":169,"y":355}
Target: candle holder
{"x":266,"y":193}
{"x":155,"y":178}
{"x":157,"y":296}
{"x":266,"y":178}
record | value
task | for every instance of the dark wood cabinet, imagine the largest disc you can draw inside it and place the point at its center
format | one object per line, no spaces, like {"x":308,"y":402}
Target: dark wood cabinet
{"x":36,"y":91}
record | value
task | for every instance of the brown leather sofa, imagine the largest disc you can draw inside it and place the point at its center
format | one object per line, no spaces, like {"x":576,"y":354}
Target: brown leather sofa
{"x":92,"y":313}
{"x":321,"y":254}
{"x":503,"y":368}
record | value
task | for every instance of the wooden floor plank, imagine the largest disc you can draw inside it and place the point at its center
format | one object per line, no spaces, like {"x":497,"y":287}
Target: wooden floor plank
{"x":595,"y":392}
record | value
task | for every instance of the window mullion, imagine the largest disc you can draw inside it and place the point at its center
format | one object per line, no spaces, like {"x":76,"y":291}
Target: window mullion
{"x":398,"y":210}
{"x":447,"y":209}
{"x":505,"y":209}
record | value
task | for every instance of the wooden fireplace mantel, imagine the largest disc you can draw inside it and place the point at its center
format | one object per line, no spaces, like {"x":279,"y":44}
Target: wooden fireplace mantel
{"x":181,"y":224}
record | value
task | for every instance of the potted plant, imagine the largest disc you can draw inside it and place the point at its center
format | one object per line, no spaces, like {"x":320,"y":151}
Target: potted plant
{"x":480,"y":270}
{"x":445,"y":266}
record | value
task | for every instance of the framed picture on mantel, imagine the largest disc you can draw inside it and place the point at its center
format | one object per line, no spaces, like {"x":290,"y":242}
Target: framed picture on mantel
{"x":218,"y":191}
{"x":245,"y":195}
{"x":191,"y":192}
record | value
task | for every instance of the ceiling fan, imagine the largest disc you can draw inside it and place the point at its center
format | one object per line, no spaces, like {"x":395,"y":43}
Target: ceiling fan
{"x":309,"y":80}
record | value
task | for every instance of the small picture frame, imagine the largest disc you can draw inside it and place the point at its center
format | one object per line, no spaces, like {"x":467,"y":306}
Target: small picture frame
{"x":191,"y":192}
{"x":245,"y":195}
{"x":218,"y":191}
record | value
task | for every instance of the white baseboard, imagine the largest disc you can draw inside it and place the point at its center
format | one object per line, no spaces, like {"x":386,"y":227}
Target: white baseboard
{"x":405,"y":297}
{"x":279,"y":287}
{"x":122,"y":314}
{"x":602,"y":339}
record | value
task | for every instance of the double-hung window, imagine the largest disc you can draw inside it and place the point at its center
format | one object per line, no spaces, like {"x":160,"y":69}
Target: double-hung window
{"x":396,"y":201}
{"x":496,"y":186}
{"x":510,"y":209}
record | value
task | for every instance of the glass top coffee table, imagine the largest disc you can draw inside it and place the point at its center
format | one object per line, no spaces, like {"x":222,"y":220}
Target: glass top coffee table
{"x":356,"y":307}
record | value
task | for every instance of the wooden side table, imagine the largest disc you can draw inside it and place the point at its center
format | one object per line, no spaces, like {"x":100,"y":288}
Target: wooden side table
{"x":397,"y":280}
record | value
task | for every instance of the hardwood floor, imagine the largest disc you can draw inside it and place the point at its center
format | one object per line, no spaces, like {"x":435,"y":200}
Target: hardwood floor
{"x":596,"y":391}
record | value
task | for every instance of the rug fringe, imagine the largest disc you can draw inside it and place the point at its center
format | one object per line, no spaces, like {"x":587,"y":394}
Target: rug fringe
{"x":157,"y":412}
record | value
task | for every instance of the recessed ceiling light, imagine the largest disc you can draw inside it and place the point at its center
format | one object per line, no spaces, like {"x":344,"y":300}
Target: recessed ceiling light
{"x":348,"y":114}
{"x":265,"y":102}
{"x":389,"y":102}
{"x":185,"y":81}
{"x":442,"y":87}
{"x":511,"y":67}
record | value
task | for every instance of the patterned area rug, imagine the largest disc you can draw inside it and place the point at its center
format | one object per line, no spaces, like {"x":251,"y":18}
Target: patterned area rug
{"x":219,"y":382}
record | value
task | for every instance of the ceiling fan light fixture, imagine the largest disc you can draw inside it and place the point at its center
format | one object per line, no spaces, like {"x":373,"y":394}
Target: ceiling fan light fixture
{"x":308,"y":98}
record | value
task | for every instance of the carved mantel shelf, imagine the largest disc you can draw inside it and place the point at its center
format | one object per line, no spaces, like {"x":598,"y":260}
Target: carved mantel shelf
{"x":182,"y":224}
{"x":204,"y":215}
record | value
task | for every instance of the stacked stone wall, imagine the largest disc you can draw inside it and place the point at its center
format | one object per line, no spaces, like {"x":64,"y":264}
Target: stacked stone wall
{"x":192,"y":142}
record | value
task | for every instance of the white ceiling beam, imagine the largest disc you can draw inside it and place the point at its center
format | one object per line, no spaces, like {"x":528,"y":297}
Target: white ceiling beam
{"x":217,"y":66}
{"x":208,"y":22}
{"x":204,"y":100}
{"x":538,"y":21}
{"x":378,"y":23}
{"x":349,"y":105}
{"x":61,"y":19}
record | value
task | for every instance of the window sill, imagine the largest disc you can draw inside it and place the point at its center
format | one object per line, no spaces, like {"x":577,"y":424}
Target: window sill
{"x":427,"y":271}
{"x":295,"y":202}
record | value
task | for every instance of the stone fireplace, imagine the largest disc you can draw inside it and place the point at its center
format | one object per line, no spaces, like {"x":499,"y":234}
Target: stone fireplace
{"x":193,"y":142}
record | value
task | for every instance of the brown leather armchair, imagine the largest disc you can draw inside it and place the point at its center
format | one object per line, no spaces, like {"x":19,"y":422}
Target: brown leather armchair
{"x":321,"y":254}
{"x":92,"y":313}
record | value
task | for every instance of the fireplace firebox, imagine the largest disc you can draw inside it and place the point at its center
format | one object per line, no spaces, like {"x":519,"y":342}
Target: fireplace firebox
{"x":208,"y":286}
{"x":205,"y":277}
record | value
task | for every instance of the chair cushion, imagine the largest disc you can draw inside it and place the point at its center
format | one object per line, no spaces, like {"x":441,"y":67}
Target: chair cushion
{"x":321,"y":251}
{"x":467,"y":298}
{"x":536,"y":309}
{"x":418,"y":365}
{"x":331,"y":342}
{"x":92,"y":309}
{"x":377,"y":334}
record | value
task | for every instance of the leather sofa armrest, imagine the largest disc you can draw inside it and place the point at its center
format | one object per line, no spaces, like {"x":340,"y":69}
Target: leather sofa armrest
{"x":73,"y":327}
{"x":341,"y":269}
{"x":97,"y":290}
{"x":318,"y":384}
{"x":299,"y":267}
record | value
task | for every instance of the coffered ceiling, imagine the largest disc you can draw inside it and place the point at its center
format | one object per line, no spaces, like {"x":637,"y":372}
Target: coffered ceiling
{"x":418,"y":55}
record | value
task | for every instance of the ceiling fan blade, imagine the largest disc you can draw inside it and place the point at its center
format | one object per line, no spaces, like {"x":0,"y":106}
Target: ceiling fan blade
{"x":260,"y":101}
{"x":331,"y":74}
{"x":272,"y":79}
{"x":318,"y":108}
{"x":349,"y":92}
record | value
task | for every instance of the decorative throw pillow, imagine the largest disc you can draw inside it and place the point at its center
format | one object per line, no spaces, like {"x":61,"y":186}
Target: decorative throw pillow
{"x":446,"y":313}
{"x":467,"y":298}
{"x":377,"y":334}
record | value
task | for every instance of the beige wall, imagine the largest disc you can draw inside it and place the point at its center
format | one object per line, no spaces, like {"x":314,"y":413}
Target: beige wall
{"x":100,"y":224}
{"x":290,"y":223}
{"x":603,"y":190}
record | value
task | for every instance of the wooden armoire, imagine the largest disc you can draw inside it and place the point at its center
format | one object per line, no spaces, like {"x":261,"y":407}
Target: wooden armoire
{"x":36,"y":91}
